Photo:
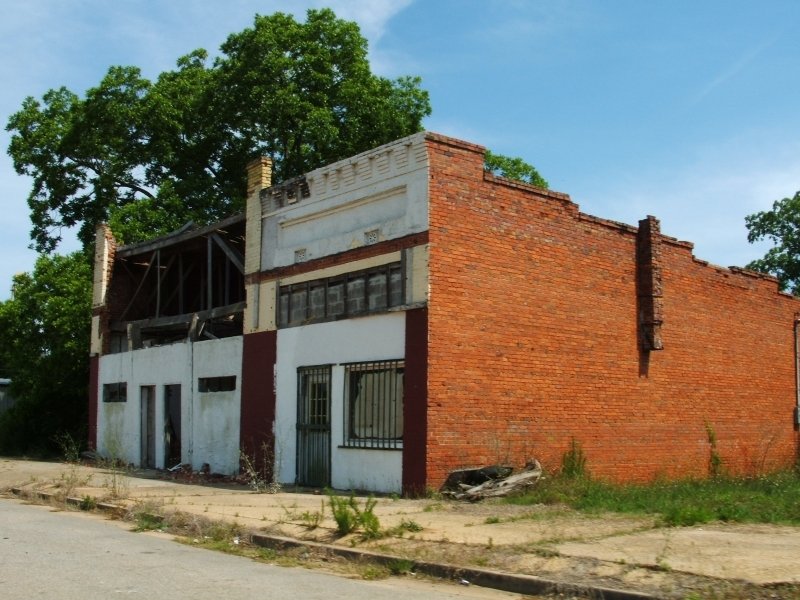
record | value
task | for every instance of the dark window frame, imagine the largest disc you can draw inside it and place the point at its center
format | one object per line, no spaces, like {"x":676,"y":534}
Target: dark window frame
{"x":115,"y":392}
{"x":295,"y":307}
{"x":211,"y":385}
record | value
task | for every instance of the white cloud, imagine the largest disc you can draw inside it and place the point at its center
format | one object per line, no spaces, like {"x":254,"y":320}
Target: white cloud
{"x":372,"y":16}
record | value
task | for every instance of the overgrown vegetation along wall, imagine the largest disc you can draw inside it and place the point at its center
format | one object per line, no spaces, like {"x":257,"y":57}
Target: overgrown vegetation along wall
{"x":534,"y":340}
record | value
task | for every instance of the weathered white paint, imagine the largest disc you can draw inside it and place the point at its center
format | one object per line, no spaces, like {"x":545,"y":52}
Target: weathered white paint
{"x":102,"y":251}
{"x":216,"y":418}
{"x":96,"y":339}
{"x":259,"y":176}
{"x":380,"y":337}
{"x":100,"y":279}
{"x":209,"y":422}
{"x":417,"y":275}
{"x":383,"y":190}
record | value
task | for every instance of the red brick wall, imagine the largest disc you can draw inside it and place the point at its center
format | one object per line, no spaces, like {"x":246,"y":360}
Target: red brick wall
{"x":533,"y":341}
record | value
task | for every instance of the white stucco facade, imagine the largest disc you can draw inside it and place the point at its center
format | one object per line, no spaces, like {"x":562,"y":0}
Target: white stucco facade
{"x":357,"y":224}
{"x":370,"y":338}
{"x":372,"y":197}
{"x":210,"y":421}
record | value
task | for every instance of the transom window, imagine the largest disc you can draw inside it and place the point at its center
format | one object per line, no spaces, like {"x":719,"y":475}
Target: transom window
{"x":374,"y":404}
{"x":341,"y":296}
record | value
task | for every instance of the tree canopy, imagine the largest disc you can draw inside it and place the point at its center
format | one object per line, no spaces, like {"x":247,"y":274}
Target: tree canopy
{"x":781,"y":225}
{"x":151,"y":155}
{"x":44,"y":334}
{"x":513,"y":168}
{"x":148,"y":156}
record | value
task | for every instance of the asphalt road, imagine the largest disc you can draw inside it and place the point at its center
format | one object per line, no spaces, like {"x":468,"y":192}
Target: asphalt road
{"x":66,"y":556}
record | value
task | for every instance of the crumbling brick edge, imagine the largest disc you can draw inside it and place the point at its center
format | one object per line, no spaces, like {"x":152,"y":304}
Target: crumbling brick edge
{"x":498,"y":580}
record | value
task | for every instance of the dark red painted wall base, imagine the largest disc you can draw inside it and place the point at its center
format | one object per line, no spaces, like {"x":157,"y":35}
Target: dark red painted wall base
{"x":415,"y":404}
{"x":259,"y":352}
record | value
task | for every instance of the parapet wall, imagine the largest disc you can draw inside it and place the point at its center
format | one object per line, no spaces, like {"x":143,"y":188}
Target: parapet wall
{"x":373,"y":197}
{"x":547,"y":325}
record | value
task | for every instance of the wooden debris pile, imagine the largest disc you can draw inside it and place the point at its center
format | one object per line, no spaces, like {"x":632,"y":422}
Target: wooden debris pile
{"x":490,"y":482}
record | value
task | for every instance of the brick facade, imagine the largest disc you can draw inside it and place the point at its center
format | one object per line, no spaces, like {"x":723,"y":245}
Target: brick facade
{"x":538,"y":334}
{"x":527,"y":324}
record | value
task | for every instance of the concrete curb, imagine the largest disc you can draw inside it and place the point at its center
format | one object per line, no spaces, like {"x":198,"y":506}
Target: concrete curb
{"x":72,"y":501}
{"x":507,"y":582}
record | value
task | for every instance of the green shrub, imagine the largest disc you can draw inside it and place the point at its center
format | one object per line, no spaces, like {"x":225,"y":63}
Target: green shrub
{"x":400,"y":566}
{"x":573,"y":462}
{"x":344,"y":512}
{"x":349,"y":516}
{"x":716,"y":466}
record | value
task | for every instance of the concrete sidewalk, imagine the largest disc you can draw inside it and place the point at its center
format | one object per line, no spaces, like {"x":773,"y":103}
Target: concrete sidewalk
{"x":608,"y":551}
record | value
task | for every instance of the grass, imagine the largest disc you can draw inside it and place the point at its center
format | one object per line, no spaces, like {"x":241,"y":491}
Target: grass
{"x":765,"y":499}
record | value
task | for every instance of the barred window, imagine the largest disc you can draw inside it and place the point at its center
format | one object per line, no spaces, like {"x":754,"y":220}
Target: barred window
{"x":115,"y":392}
{"x":374,"y":404}
{"x":361,"y":292}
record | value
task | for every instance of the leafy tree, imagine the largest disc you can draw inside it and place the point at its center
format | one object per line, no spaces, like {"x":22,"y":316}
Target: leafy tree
{"x":302,"y":93}
{"x":81,"y":154}
{"x":782,"y":226}
{"x":44,"y":333}
{"x":513,"y":168}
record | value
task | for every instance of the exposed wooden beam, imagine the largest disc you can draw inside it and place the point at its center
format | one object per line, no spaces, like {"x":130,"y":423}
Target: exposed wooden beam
{"x":178,"y":290}
{"x":158,"y":282}
{"x":185,"y":319}
{"x":139,"y":288}
{"x":176,"y":238}
{"x":233,"y":256}
{"x":209,"y":275}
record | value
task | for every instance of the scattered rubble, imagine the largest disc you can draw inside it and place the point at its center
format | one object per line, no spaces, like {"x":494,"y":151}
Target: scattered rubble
{"x":490,"y":482}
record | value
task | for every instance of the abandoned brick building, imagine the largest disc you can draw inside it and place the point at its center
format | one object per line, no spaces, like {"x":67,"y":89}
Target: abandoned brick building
{"x":390,"y":317}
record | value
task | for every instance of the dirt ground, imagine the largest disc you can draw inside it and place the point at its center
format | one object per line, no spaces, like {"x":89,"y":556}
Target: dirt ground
{"x":555,"y":543}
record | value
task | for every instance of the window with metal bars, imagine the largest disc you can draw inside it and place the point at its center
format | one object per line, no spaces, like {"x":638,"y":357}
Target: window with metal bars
{"x":374,"y":404}
{"x":352,"y":294}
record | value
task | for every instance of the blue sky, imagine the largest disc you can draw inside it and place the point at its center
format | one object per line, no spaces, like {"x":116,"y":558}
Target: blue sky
{"x":684,"y":110}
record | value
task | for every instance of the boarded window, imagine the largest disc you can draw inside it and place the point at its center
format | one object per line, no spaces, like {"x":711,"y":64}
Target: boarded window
{"x":115,"y":392}
{"x":299,"y":305}
{"x":335,"y":298}
{"x":216,"y":384}
{"x":357,"y":293}
{"x":377,"y":291}
{"x":316,"y":301}
{"x":355,"y":296}
{"x":374,"y":404}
